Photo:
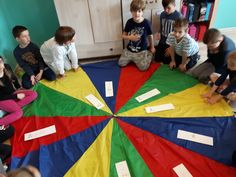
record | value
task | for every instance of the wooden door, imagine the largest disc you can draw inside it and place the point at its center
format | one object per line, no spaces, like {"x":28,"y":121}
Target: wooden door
{"x":152,"y":11}
{"x":98,"y":25}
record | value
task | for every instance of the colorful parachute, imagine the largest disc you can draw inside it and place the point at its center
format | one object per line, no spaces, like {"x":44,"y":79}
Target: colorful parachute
{"x":89,"y":142}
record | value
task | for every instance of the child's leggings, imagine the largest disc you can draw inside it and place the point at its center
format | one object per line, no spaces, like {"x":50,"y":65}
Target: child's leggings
{"x":13,"y":107}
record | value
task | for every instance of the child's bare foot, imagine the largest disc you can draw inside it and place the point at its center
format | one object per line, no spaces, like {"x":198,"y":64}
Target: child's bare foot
{"x":61,"y":76}
{"x":75,"y":69}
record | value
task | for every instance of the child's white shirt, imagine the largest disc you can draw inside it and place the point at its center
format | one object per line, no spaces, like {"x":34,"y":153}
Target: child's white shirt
{"x":54,"y":55}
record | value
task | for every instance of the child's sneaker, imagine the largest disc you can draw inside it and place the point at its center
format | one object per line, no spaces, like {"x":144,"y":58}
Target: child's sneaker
{"x":2,"y":127}
{"x":5,"y":167}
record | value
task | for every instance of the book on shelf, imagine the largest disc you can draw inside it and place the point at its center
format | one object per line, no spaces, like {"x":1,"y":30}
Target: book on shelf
{"x":191,"y":11}
{"x":202,"y":13}
{"x":184,"y":10}
{"x":208,"y":10}
{"x":202,"y":30}
{"x":193,"y":31}
{"x":196,"y":12}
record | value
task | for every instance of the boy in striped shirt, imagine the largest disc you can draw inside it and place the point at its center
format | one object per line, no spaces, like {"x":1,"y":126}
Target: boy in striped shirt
{"x":183,"y":48}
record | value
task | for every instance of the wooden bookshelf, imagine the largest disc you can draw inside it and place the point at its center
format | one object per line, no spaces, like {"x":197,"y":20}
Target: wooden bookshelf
{"x":201,"y":14}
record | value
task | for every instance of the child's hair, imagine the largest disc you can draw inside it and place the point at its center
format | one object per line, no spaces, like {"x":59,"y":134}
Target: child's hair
{"x":165,"y":3}
{"x":64,"y":34}
{"x":212,"y":36}
{"x":6,"y":72}
{"x":181,"y":23}
{"x":17,"y":30}
{"x":137,"y":5}
{"x":231,"y":59}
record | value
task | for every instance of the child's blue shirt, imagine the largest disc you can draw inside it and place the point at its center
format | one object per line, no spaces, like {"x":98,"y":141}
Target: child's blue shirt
{"x":143,"y":29}
{"x":29,"y":58}
{"x":232,"y":78}
{"x":166,"y":24}
{"x":219,"y":59}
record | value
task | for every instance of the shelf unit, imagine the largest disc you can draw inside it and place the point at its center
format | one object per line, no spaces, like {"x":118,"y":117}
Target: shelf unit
{"x":200,"y":14}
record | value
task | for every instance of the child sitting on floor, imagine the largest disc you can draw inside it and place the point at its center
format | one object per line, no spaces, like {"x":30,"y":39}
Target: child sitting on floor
{"x":59,"y":52}
{"x":183,"y":48}
{"x":218,"y":47}
{"x":167,"y":18}
{"x":222,"y":84}
{"x":11,"y":98}
{"x":28,"y":57}
{"x":5,"y":149}
{"x":137,"y":29}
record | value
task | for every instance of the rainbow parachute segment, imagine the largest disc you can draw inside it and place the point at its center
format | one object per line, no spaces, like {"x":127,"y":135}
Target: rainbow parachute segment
{"x":89,"y":142}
